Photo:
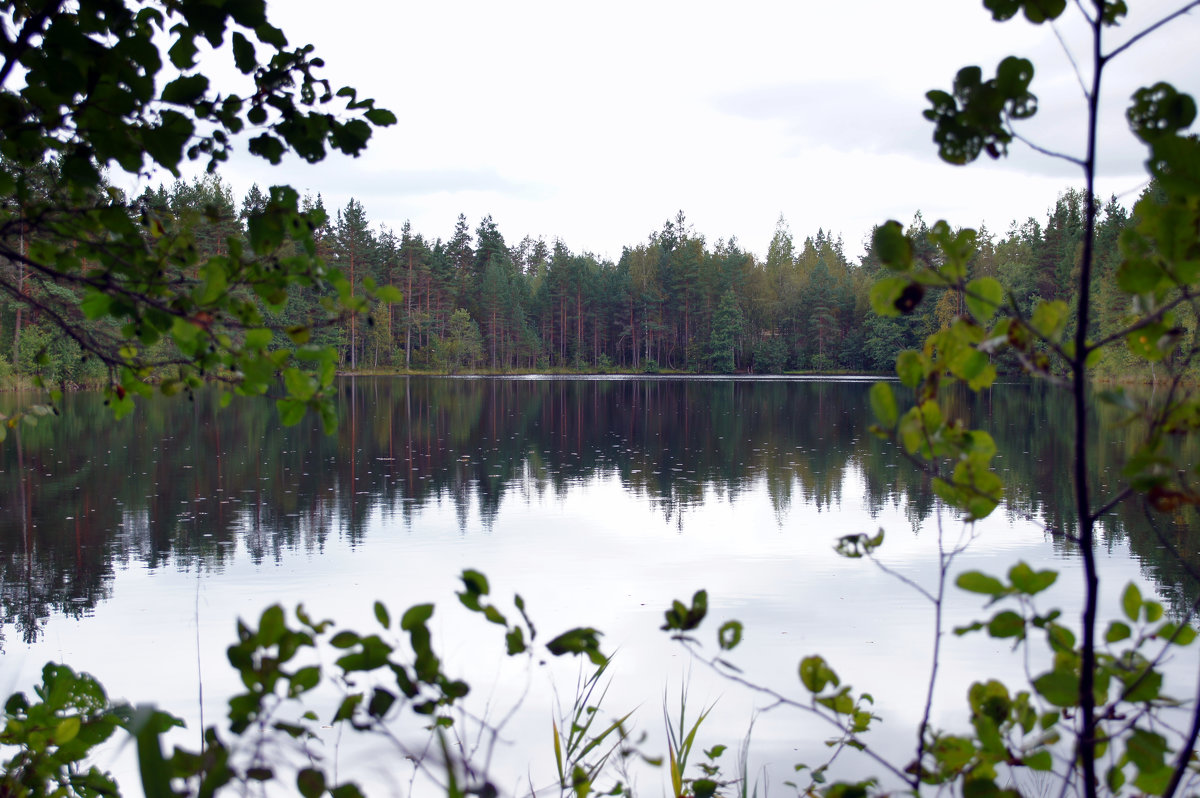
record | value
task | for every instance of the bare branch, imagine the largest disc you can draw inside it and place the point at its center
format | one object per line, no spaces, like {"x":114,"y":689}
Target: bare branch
{"x":1185,"y":752}
{"x":1083,"y":10}
{"x":1071,"y":57}
{"x":1147,"y":31}
{"x":943,"y":568}
{"x":1121,"y":496}
{"x":1044,"y":151}
{"x":1143,"y":322}
{"x":779,"y":700}
{"x":904,"y":579}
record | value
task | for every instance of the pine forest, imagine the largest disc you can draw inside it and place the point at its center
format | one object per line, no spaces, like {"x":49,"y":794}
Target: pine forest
{"x":675,"y":302}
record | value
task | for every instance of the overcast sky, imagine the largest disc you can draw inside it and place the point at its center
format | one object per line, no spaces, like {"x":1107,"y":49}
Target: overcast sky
{"x":595,"y":123}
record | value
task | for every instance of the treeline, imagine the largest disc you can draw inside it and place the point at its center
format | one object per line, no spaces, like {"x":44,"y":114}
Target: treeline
{"x":674,"y":301}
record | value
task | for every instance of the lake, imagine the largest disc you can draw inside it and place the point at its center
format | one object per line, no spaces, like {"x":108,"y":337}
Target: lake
{"x":129,"y":549}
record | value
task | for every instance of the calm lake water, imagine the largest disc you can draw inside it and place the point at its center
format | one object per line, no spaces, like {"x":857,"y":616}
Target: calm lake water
{"x":129,"y":549}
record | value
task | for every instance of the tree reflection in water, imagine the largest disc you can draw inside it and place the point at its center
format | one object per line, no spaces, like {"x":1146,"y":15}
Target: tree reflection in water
{"x":183,"y":483}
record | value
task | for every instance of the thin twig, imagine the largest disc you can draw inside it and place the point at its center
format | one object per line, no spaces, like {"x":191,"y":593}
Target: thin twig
{"x":1151,"y":29}
{"x":1044,"y":151}
{"x":1145,"y":321}
{"x":1070,"y":57}
{"x":1083,"y":10}
{"x":904,"y":579}
{"x":943,"y":569}
{"x":778,"y":700}
{"x":1121,"y":496}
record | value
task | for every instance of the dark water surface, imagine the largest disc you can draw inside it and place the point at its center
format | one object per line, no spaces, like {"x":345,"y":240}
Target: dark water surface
{"x":129,"y":548}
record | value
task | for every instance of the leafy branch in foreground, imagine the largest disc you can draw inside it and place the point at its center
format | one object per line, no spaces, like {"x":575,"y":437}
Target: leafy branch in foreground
{"x":86,"y":87}
{"x":390,"y":685}
{"x":1100,"y":718}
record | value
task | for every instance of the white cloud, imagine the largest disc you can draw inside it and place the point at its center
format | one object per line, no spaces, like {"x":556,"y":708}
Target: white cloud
{"x":597,"y":123}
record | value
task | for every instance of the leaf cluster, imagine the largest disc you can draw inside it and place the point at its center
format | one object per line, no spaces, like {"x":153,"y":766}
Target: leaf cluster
{"x":99,"y":84}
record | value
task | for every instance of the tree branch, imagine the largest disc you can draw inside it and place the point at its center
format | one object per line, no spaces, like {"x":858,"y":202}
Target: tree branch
{"x":1042,"y":150}
{"x":1083,"y":10}
{"x":781,"y":700}
{"x":1143,"y":322}
{"x":1121,"y":496}
{"x":1146,"y":32}
{"x":1070,"y":57}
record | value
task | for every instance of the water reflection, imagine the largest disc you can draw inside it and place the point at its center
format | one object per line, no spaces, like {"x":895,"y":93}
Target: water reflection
{"x":186,"y":483}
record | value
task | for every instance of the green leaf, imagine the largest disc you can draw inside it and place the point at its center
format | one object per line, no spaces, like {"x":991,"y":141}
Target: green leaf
{"x":1006,"y":624}
{"x":310,"y":782}
{"x":300,"y":384}
{"x":514,"y":641}
{"x":979,"y":582}
{"x":96,"y":304}
{"x":304,"y":680}
{"x":984,"y":296}
{"x":66,"y":730}
{"x":1060,"y":688}
{"x":1036,"y":11}
{"x":1049,"y":318}
{"x":291,"y":411}
{"x":1139,"y":276}
{"x":1131,"y":601}
{"x":1147,"y":750}
{"x":883,"y":404}
{"x":417,"y":615}
{"x":683,"y":618}
{"x":729,"y":635}
{"x":815,"y":674}
{"x":345,"y":639}
{"x":1183,"y":635}
{"x":1153,"y":782}
{"x":583,"y":640}
{"x":1147,"y":686}
{"x":953,"y":753}
{"x":268,"y":147}
{"x":244,"y":57}
{"x":1113,"y":11}
{"x":185,"y":90}
{"x":259,"y":338}
{"x":269,"y":34}
{"x":910,"y":367}
{"x":1115,"y":778}
{"x":1117,"y":631}
{"x":1029,"y":581}
{"x":381,"y":615}
{"x":381,"y":701}
{"x":347,"y":790}
{"x":1040,"y":760}
{"x":1160,"y":111}
{"x":156,"y":774}
{"x":389,"y":293}
{"x":886,"y":294}
{"x":216,"y":282}
{"x":893,"y":247}
{"x":183,"y":52}
{"x":475,"y":582}
{"x":1151,"y":342}
{"x":380,"y":117}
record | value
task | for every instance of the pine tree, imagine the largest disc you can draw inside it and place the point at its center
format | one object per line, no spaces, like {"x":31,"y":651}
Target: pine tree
{"x":354,"y":252}
{"x":727,"y":326}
